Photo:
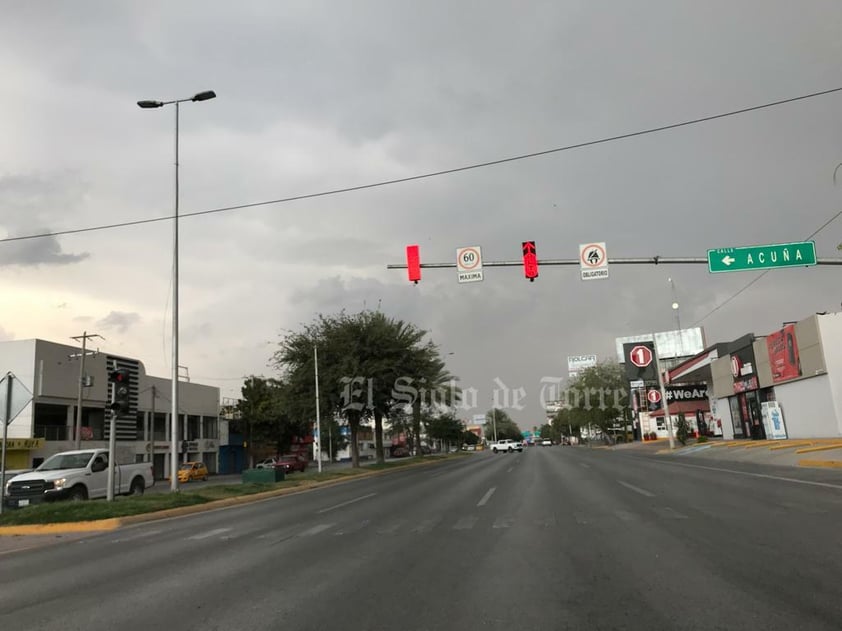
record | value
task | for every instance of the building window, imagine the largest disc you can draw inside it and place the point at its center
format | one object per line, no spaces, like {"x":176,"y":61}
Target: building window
{"x":210,"y":427}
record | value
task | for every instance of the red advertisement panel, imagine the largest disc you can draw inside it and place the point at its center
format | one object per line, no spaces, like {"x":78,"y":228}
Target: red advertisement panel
{"x":783,"y":354}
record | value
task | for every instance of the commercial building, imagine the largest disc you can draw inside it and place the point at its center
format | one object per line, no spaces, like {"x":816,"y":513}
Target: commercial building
{"x":50,"y":372}
{"x":787,"y":384}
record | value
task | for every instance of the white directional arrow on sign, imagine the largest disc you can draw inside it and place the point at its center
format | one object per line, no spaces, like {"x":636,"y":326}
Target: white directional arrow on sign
{"x":728,"y":260}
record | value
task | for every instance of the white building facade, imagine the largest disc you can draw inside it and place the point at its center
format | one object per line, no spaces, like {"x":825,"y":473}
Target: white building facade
{"x":46,"y":425}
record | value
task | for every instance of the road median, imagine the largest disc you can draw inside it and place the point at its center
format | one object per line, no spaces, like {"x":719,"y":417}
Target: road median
{"x":98,"y":516}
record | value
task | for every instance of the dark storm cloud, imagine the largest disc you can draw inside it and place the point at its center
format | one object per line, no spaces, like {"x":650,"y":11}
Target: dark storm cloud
{"x":26,"y":202}
{"x":119,"y":321}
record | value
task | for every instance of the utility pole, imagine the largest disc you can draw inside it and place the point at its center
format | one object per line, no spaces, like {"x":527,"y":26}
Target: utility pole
{"x":494,"y":421}
{"x":150,"y":433}
{"x":77,"y":434}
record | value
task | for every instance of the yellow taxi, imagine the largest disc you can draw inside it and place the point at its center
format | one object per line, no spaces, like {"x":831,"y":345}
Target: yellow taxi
{"x":190,"y":471}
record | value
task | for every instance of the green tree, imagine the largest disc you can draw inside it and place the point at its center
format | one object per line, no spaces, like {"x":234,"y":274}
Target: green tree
{"x":506,"y":427}
{"x":546,"y":431}
{"x":446,"y":428}
{"x":265,"y":418}
{"x":598,"y":396}
{"x":361,"y":358}
{"x":432,"y":388}
{"x":469,"y":438}
{"x":682,"y":429}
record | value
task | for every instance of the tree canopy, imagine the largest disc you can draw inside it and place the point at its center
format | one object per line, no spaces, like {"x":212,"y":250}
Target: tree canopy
{"x":370,"y":366}
{"x":597,"y":397}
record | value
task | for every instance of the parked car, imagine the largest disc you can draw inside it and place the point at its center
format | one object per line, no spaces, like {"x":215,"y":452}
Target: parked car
{"x":267,"y":463}
{"x":190,"y":471}
{"x":76,"y":475}
{"x":291,"y":463}
{"x":546,"y":442}
{"x":400,"y":452}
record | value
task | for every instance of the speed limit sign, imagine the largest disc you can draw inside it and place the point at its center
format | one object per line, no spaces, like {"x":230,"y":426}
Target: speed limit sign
{"x":469,"y":264}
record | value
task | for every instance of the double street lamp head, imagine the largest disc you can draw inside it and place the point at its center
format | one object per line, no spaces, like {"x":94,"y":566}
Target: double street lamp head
{"x":204,"y":96}
{"x":201,"y":96}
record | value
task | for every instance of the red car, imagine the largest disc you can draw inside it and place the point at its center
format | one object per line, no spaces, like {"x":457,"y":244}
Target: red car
{"x":291,"y":463}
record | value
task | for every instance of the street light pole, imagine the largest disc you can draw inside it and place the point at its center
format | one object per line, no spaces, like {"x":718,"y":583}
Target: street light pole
{"x":318,"y":419}
{"x":201,"y":96}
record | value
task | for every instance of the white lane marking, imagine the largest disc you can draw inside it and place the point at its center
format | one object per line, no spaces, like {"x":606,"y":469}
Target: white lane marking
{"x":466,"y":523}
{"x":487,"y":496}
{"x":315,"y":530}
{"x":352,"y":528}
{"x":503,"y":522}
{"x":587,"y":466}
{"x":668,"y":513}
{"x":826,"y":485}
{"x":636,"y":489}
{"x":625,"y":515}
{"x":356,"y":499}
{"x":390,"y":529}
{"x":142,"y":535}
{"x":509,"y":470}
{"x":209,"y":533}
{"x":425,"y":526}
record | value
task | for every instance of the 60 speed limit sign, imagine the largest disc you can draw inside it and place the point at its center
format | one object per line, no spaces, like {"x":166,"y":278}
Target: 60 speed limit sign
{"x":469,"y":264}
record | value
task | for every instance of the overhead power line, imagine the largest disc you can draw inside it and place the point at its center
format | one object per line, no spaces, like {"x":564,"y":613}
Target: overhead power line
{"x":432,"y":174}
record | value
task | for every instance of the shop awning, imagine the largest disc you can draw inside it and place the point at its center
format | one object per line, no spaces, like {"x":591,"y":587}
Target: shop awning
{"x":694,"y":369}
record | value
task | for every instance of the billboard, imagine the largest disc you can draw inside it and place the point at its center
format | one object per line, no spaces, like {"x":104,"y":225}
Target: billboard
{"x":682,"y":343}
{"x":577,"y":363}
{"x":784,"y":359}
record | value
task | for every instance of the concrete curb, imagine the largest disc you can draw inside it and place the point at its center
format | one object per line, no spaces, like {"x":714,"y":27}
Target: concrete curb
{"x":826,"y":464}
{"x":113,"y":523}
{"x":822,"y":448}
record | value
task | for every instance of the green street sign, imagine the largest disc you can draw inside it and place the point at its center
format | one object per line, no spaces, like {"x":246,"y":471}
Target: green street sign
{"x":758,"y":257}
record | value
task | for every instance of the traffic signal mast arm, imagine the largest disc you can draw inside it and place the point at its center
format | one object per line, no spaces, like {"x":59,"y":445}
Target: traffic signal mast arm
{"x":651,"y":260}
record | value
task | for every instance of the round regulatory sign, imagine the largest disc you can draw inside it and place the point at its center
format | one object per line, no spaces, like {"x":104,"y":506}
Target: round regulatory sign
{"x":593,"y":255}
{"x":654,"y":396}
{"x":468,"y":258}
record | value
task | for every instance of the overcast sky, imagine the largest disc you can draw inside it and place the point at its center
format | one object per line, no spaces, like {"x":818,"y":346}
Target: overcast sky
{"x":314,"y":96}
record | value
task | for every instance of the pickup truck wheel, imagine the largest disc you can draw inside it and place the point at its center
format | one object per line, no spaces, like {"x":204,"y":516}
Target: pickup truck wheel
{"x":137,"y":487}
{"x":78,"y":494}
{"x":510,"y":450}
{"x":204,"y":478}
{"x":494,"y":450}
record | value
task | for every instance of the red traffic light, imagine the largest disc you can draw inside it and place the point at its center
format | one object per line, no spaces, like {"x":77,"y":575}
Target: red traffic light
{"x":530,"y":260}
{"x":121,"y":375}
{"x":413,"y":263}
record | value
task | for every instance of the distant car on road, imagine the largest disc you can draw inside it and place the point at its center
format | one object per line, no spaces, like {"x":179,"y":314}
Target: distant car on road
{"x":546,"y":442}
{"x":190,"y":471}
{"x":291,"y":463}
{"x":507,"y":445}
{"x":266,"y":463}
{"x":400,"y":452}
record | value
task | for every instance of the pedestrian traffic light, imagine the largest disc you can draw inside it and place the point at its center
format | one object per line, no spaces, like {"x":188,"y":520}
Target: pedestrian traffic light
{"x":121,"y":378}
{"x":530,"y":261}
{"x":413,"y":263}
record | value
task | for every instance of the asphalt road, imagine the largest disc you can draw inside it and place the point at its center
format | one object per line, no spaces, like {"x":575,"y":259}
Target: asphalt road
{"x":554,"y":538}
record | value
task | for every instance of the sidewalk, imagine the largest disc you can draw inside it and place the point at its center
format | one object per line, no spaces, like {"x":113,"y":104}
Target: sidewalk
{"x":809,"y":452}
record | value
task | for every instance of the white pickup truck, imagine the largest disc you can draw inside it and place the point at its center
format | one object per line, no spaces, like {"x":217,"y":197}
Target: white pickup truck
{"x":76,"y":475}
{"x":507,"y":444}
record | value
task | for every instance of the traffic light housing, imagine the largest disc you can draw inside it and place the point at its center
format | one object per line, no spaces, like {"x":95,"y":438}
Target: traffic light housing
{"x":121,"y":378}
{"x":530,"y":261}
{"x":413,"y":263}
